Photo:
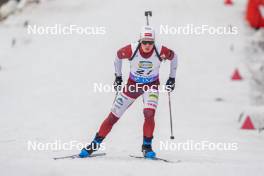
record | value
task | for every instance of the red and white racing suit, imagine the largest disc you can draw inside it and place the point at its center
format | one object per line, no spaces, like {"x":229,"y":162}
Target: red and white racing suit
{"x":143,"y":80}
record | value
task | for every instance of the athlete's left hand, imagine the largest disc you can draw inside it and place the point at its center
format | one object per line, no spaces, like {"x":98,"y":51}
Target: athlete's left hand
{"x":170,"y":84}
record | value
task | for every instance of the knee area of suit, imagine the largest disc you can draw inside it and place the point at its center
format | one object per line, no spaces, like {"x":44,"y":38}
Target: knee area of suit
{"x":112,"y":119}
{"x":149,"y":113}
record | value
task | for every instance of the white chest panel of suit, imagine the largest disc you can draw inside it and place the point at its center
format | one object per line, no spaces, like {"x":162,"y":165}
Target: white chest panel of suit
{"x":144,"y":70}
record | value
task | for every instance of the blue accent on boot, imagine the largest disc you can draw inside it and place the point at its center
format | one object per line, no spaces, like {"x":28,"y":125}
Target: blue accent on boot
{"x":97,"y":141}
{"x":147,"y":142}
{"x":84,"y":153}
{"x":150,"y":155}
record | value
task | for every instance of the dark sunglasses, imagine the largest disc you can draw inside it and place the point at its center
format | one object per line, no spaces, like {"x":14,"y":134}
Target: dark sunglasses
{"x":147,"y":42}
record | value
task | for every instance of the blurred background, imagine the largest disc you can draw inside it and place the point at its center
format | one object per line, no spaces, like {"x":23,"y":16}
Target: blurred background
{"x":47,"y":93}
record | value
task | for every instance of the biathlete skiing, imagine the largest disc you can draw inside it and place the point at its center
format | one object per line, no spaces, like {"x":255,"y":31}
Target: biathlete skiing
{"x":145,"y":58}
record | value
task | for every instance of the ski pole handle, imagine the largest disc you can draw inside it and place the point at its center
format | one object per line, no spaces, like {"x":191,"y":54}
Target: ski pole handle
{"x":147,"y":14}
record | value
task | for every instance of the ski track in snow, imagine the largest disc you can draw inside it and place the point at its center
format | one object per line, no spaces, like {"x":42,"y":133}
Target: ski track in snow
{"x":46,"y":90}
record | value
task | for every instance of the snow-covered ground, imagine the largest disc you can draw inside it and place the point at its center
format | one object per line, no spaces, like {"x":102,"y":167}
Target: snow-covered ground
{"x":46,"y":90}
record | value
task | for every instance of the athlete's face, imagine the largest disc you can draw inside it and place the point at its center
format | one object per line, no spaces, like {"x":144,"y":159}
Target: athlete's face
{"x":147,"y":45}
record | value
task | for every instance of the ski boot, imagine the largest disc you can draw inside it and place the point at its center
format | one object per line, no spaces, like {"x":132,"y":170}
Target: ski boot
{"x":147,"y":149}
{"x":94,"y":146}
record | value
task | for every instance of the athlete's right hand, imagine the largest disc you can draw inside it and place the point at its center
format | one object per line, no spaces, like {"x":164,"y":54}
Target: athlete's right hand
{"x":118,"y":83}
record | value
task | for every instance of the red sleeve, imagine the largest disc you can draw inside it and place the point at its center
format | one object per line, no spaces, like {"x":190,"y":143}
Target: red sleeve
{"x":169,"y":54}
{"x":125,"y":52}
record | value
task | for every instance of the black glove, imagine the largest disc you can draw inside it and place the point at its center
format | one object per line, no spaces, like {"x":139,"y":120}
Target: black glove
{"x":118,"y":83}
{"x":170,"y":84}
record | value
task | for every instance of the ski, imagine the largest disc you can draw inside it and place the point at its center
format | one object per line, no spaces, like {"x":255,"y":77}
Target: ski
{"x":77,"y":156}
{"x":155,"y":159}
{"x":103,"y":154}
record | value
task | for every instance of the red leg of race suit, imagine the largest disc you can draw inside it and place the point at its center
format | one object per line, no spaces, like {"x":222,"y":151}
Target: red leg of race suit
{"x":107,"y":125}
{"x":149,"y":123}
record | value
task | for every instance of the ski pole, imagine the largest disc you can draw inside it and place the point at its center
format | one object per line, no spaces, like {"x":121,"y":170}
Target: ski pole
{"x":171,"y":124}
{"x":115,"y":97}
